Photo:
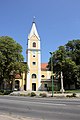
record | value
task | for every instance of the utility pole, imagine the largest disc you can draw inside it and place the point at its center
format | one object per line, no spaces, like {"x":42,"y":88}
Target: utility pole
{"x":52,"y":74}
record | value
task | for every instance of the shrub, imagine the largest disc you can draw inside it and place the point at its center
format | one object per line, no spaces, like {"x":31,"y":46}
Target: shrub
{"x":68,"y":95}
{"x":1,"y":93}
{"x":5,"y":92}
{"x":29,"y":94}
{"x":73,"y":95}
{"x":40,"y":94}
{"x":33,"y":94}
{"x":22,"y":94}
{"x":43,"y":94}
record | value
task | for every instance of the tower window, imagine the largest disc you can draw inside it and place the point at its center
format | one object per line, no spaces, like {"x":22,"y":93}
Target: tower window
{"x":43,"y":76}
{"x":34,"y":44}
{"x":34,"y":76}
{"x":34,"y":63}
{"x":33,"y":55}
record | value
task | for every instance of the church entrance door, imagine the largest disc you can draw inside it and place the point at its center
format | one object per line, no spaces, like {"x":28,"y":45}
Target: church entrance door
{"x":33,"y":86}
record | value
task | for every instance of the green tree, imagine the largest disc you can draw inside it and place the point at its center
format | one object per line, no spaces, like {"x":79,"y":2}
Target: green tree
{"x":11,"y":60}
{"x":67,"y":60}
{"x":58,"y":58}
{"x":69,"y":73}
{"x":73,"y":50}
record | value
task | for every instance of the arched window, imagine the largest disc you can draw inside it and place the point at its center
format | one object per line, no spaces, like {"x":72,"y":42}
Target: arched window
{"x":34,"y":63}
{"x":42,"y":76}
{"x":34,"y":44}
{"x":17,"y":83}
{"x":34,"y":76}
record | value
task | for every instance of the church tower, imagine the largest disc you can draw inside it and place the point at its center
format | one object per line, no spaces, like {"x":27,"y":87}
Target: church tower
{"x":33,"y":60}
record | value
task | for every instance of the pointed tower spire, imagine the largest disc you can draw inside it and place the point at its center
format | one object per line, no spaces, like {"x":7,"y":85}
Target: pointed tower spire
{"x":33,"y":30}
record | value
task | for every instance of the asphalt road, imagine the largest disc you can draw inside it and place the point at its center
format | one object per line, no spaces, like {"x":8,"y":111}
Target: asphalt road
{"x":41,"y":108}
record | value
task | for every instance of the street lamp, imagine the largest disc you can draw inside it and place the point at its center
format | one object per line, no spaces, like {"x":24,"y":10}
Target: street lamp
{"x":52,"y":73}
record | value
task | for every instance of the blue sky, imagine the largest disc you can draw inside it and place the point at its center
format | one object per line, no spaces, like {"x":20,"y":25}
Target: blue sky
{"x":58,"y":21}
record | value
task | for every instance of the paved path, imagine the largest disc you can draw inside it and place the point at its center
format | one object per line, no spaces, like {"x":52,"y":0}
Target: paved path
{"x":13,"y":117}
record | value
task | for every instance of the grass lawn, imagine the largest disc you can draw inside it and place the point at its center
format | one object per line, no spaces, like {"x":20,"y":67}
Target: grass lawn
{"x":73,"y":91}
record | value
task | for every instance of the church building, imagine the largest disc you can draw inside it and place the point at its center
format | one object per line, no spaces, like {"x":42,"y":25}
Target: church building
{"x":38,"y":76}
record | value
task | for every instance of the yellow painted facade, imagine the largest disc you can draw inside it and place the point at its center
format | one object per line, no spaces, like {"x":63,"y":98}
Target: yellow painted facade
{"x":45,"y":80}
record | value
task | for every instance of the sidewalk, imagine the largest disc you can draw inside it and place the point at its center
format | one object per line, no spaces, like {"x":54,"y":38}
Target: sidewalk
{"x":13,"y":117}
{"x":22,"y":93}
{"x":7,"y":117}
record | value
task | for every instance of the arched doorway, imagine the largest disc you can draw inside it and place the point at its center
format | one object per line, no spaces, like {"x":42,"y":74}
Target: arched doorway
{"x":33,"y":86}
{"x":17,"y":83}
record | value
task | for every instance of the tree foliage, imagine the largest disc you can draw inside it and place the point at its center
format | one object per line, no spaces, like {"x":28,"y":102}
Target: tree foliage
{"x":11,"y":59}
{"x":67,"y":60}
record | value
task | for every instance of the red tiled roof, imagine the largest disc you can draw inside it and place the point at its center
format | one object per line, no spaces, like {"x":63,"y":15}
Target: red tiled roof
{"x":17,"y":76}
{"x":44,"y":66}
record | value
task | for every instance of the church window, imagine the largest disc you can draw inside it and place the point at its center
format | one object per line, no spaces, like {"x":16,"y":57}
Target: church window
{"x":33,"y":55}
{"x":34,"y":44}
{"x":34,"y":63}
{"x":43,"y":76}
{"x":45,"y":85}
{"x":34,"y":76}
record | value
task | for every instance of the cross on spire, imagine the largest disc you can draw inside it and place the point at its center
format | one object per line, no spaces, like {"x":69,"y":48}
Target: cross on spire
{"x":33,"y":30}
{"x":34,"y":19}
